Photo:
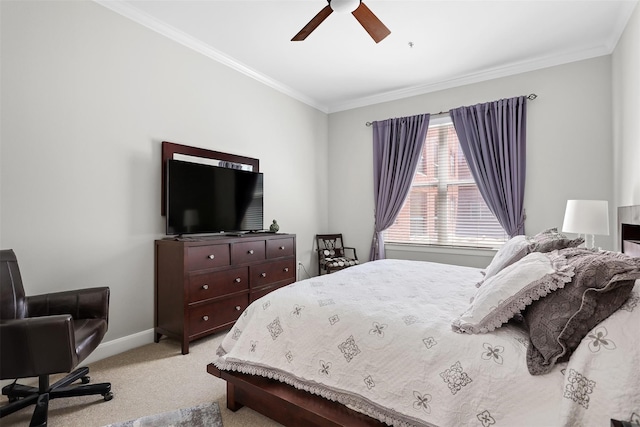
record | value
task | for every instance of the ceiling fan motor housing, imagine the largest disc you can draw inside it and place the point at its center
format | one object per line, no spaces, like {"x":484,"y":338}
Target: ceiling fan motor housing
{"x":344,"y":6}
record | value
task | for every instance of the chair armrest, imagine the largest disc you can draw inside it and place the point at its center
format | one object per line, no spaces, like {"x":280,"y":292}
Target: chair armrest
{"x":36,"y":346}
{"x":352,"y":249}
{"x":90,"y":303}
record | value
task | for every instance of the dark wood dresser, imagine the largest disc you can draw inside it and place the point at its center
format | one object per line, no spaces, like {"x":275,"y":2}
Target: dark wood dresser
{"x":202,"y":285}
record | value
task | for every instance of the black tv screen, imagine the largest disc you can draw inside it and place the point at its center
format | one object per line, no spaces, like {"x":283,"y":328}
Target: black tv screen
{"x":211,"y":199}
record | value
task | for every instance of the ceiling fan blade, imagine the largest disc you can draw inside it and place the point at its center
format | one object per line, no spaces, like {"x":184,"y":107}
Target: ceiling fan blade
{"x":376,"y":29}
{"x":313,"y":24}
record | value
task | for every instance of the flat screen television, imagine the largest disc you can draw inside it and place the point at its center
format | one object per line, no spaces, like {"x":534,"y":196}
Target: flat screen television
{"x":204,"y":199}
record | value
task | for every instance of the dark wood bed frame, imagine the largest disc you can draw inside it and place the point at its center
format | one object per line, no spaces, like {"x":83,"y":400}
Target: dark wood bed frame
{"x":292,"y":407}
{"x":286,"y":404}
{"x":629,"y":229}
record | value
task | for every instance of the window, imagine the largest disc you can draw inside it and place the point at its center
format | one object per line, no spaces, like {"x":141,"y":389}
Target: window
{"x":444,"y":206}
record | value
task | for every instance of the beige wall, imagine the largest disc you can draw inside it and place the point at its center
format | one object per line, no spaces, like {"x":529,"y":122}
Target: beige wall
{"x":626,"y":114}
{"x":87,"y":98}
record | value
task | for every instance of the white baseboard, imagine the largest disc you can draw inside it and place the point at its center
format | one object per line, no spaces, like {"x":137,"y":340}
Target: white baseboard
{"x":111,"y":348}
{"x":119,"y":345}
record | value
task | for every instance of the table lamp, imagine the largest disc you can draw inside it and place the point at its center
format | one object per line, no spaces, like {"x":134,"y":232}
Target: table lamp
{"x":588,"y":217}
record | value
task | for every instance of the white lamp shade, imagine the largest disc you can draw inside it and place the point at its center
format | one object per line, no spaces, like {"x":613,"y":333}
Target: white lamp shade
{"x":344,"y":5}
{"x":586,"y":217}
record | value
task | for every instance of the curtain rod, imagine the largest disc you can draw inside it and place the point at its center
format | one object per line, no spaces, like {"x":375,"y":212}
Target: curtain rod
{"x":530,"y":97}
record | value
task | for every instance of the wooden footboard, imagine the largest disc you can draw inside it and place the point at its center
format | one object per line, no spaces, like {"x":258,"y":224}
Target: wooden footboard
{"x":285,"y":404}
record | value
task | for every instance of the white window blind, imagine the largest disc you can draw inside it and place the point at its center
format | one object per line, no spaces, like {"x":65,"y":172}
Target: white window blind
{"x":444,"y":206}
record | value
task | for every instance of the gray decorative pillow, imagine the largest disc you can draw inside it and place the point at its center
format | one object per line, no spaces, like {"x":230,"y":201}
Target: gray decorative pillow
{"x":551,"y":240}
{"x":558,"y":322}
{"x":512,"y":289}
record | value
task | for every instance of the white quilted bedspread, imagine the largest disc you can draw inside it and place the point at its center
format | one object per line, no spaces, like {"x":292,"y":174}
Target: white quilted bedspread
{"x":378,"y":338}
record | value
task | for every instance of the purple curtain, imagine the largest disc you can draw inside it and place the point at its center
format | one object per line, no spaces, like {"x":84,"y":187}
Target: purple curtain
{"x":397,"y":144}
{"x":493,"y":139}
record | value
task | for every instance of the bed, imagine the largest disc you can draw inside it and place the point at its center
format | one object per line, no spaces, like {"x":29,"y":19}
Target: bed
{"x":400,"y":343}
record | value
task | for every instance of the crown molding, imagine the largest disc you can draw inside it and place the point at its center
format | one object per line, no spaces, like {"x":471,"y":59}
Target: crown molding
{"x":626,"y":10}
{"x":499,"y":72}
{"x":624,"y":14}
{"x":128,"y":11}
{"x":136,"y":15}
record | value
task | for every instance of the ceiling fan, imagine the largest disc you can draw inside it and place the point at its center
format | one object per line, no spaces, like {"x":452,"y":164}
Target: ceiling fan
{"x":376,"y":29}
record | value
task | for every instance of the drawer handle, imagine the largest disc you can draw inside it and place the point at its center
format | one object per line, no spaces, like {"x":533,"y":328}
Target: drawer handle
{"x":238,"y":308}
{"x":282,"y":248}
{"x":212,"y":256}
{"x":263,"y":274}
{"x":250,"y":251}
{"x":286,"y":269}
{"x":238,"y":280}
{"x":205,"y":318}
{"x":205,"y":287}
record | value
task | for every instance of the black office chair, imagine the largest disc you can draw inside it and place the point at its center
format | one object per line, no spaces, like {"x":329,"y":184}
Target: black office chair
{"x":47,"y":334}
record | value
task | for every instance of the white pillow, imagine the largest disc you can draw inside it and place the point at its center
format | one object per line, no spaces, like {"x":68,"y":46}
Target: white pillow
{"x":512,"y":289}
{"x":518,"y":247}
{"x":513,"y":250}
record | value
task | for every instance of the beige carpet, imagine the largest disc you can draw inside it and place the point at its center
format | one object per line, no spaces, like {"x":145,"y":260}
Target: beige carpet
{"x":148,"y":380}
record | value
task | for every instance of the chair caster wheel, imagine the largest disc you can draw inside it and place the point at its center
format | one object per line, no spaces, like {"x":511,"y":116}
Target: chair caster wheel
{"x":85,"y":379}
{"x":108,"y":396}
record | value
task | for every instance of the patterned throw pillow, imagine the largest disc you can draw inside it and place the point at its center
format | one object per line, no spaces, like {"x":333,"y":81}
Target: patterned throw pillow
{"x":551,"y":239}
{"x":558,"y":322}
{"x":340,"y":262}
{"x":512,"y":289}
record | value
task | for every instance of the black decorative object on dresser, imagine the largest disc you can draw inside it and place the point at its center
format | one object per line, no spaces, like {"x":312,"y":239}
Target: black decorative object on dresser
{"x":202,"y":285}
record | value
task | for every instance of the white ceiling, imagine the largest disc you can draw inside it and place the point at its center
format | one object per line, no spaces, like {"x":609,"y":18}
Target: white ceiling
{"x":339,"y":66}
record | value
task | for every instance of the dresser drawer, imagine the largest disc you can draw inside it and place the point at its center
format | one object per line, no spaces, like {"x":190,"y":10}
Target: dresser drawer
{"x":210,"y":256}
{"x":209,"y":316}
{"x":277,"y":248}
{"x":243,"y":252}
{"x":203,"y":286}
{"x":270,"y":272}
